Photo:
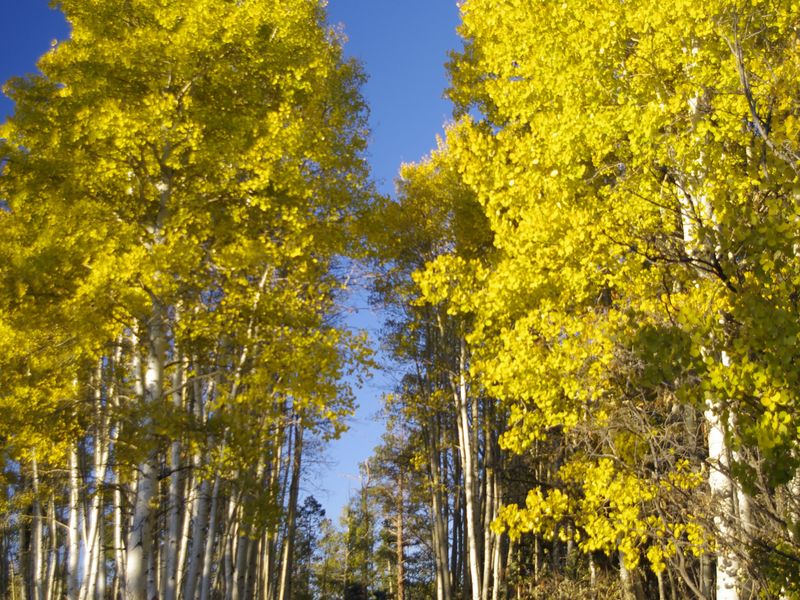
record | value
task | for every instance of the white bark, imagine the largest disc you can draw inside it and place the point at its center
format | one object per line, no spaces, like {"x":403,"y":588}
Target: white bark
{"x":120,"y":558}
{"x":265,"y":572}
{"x":174,"y":500}
{"x":73,"y":538}
{"x":722,"y":495}
{"x":37,"y":583}
{"x":208,"y":553}
{"x":100,"y":582}
{"x":190,"y":490}
{"x":140,"y":568}
{"x":490,"y":511}
{"x":239,"y":582}
{"x":199,"y":513}
{"x":468,"y":461}
{"x":52,"y":557}
{"x":229,"y":544}
{"x":94,"y":549}
{"x":401,"y":575}
{"x":285,"y":588}
{"x":726,"y":494}
{"x":497,"y":558}
{"x":270,"y":538}
{"x":140,"y":538}
{"x":626,"y":578}
{"x":195,"y":555}
{"x":440,"y":537}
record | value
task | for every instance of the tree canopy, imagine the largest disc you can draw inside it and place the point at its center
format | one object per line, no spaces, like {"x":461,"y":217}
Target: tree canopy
{"x":590,"y":286}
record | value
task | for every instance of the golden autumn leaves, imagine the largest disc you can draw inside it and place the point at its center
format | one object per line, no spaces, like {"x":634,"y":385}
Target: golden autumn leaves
{"x":644,"y":258}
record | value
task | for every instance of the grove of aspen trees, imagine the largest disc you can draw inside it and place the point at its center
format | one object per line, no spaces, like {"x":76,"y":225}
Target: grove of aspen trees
{"x":590,"y":292}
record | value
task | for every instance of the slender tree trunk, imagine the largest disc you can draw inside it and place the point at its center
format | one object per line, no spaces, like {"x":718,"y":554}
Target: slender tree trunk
{"x":94,"y":550}
{"x":490,"y":508}
{"x":266,"y":562}
{"x":498,"y":568}
{"x":174,"y":499}
{"x":458,"y":566}
{"x":5,"y":563}
{"x":155,"y":564}
{"x":626,"y":579}
{"x":724,"y":490}
{"x":468,"y":461}
{"x":208,"y":553}
{"x":200,"y":519}
{"x":722,"y":495}
{"x":270,"y":542}
{"x":37,"y":559}
{"x":706,"y":575}
{"x":661,"y":592}
{"x":189,"y":493}
{"x":200,"y":511}
{"x":118,"y":591}
{"x":120,"y":558}
{"x":229,"y":540}
{"x":190,"y":487}
{"x":13,"y":584}
{"x":239,"y":580}
{"x":52,"y":557}
{"x":440,"y":537}
{"x":73,"y":538}
{"x":100,"y":585}
{"x":509,"y":560}
{"x":401,"y":559}
{"x":253,"y":558}
{"x":285,"y":588}
{"x":141,"y":567}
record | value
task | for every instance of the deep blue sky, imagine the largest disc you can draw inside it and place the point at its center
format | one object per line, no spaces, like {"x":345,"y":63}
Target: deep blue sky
{"x":403,"y":46}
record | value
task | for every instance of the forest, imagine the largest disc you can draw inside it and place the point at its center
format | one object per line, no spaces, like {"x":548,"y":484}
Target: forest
{"x":590,"y":292}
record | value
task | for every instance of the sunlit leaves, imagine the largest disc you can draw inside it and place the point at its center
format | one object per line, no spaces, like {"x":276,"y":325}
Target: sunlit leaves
{"x":195,"y":165}
{"x":637,"y":166}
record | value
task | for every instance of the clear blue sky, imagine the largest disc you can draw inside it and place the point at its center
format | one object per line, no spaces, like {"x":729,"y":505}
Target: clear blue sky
{"x":403,"y":46}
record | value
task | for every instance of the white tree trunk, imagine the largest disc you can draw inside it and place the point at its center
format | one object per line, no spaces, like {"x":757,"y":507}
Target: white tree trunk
{"x":630,"y":589}
{"x":490,"y":511}
{"x":52,"y":557}
{"x":497,"y":557}
{"x":208,"y":553}
{"x":285,"y":588}
{"x":468,"y":460}
{"x":401,"y":575}
{"x":229,"y":544}
{"x":120,"y":558}
{"x":195,"y":554}
{"x":73,"y":538}
{"x":140,"y":568}
{"x":725,"y":493}
{"x":440,"y":536}
{"x":174,"y":500}
{"x":722,"y":495}
{"x":94,"y":550}
{"x":37,"y":571}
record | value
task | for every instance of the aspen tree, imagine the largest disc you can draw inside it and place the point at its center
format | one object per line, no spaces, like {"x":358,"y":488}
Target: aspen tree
{"x":177,"y":184}
{"x":591,"y":134}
